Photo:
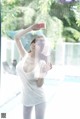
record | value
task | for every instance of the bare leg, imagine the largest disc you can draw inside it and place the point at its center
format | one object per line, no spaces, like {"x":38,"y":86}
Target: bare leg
{"x":27,"y":112}
{"x":40,"y":110}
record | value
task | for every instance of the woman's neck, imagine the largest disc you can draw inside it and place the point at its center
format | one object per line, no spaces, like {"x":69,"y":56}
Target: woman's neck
{"x":34,"y":56}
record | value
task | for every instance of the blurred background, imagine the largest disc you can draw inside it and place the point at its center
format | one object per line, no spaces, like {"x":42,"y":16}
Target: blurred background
{"x":62,"y":18}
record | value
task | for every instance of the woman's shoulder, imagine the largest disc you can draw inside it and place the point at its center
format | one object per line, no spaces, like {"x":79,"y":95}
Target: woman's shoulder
{"x":25,"y":55}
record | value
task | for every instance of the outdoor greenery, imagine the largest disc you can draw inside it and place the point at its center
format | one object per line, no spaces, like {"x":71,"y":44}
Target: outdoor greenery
{"x":62,"y":19}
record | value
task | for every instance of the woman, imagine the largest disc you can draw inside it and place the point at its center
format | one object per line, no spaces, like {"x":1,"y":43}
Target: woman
{"x":32,"y":69}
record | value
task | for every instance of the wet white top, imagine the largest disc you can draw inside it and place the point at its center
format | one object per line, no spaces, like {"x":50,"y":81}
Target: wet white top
{"x":31,"y":93}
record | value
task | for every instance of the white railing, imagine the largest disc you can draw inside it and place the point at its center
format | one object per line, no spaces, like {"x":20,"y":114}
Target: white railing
{"x":67,"y":53}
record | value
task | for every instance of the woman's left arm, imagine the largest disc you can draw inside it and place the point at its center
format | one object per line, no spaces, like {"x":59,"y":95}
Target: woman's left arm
{"x":41,"y":74}
{"x":40,"y":82}
{"x":44,"y":68}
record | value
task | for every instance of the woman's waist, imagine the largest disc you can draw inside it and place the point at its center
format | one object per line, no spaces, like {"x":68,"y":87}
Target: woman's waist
{"x":32,"y":89}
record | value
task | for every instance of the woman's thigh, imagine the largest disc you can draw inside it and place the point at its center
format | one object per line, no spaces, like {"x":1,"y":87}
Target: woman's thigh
{"x":27,"y":112}
{"x":40,"y":111}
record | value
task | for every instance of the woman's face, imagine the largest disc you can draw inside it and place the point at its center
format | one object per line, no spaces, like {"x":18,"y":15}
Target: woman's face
{"x":37,"y":45}
{"x":34,"y":47}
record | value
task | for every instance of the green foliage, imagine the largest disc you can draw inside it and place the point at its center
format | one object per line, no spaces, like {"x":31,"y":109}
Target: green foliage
{"x":77,"y":14}
{"x":28,"y":17}
{"x":70,"y":34}
{"x":9,"y":14}
{"x":12,"y":2}
{"x":70,"y":18}
{"x":58,"y":17}
{"x":44,"y":7}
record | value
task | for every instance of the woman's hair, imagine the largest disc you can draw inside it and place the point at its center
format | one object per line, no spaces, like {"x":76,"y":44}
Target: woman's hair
{"x":41,"y":43}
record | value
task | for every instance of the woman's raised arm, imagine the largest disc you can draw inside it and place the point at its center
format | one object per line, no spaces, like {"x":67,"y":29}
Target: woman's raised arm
{"x":18,"y":36}
{"x":23,"y":32}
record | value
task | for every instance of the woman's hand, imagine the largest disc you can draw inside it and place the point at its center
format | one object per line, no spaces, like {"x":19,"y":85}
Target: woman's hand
{"x":40,"y":82}
{"x":46,"y":68}
{"x":38,"y":26}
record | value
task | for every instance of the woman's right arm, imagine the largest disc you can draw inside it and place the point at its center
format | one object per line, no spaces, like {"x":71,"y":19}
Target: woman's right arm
{"x":18,"y":36}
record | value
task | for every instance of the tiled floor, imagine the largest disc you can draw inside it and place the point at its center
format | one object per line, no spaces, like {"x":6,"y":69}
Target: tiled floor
{"x":64,"y":104}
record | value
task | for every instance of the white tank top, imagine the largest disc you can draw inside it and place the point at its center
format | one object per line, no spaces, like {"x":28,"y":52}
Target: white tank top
{"x":31,"y":93}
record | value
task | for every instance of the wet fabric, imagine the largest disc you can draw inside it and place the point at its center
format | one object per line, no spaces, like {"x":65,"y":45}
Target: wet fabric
{"x":31,"y":93}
